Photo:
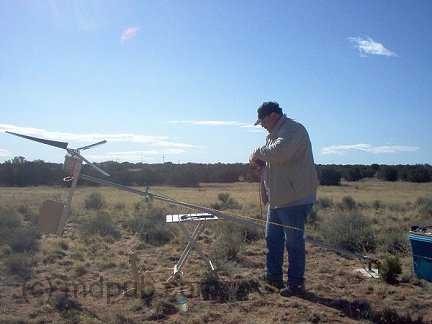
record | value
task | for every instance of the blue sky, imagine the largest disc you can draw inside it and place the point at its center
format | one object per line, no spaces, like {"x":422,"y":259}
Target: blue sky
{"x":181,"y":81}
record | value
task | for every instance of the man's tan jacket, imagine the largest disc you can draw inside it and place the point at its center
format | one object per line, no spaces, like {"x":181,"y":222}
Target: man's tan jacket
{"x":291,"y":175}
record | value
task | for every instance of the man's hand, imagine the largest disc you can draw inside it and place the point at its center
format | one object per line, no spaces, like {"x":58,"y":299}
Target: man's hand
{"x":255,"y":162}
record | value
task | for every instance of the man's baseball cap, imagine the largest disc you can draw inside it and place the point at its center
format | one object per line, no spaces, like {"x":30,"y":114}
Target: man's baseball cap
{"x":266,"y":109}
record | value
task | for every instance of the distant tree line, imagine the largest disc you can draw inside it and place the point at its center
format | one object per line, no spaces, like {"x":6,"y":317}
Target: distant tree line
{"x":332,"y":174}
{"x":18,"y":172}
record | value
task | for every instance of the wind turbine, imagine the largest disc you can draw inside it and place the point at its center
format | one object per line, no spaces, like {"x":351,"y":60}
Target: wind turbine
{"x":63,"y":145}
{"x":58,"y":213}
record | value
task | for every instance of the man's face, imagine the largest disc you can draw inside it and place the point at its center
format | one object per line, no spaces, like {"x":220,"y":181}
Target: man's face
{"x":269,"y":121}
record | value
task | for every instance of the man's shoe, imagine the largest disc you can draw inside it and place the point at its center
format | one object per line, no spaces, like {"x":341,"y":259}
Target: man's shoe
{"x":293,"y":291}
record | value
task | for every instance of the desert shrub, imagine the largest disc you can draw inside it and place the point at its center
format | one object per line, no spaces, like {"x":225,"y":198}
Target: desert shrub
{"x":80,"y":269}
{"x":231,"y":237}
{"x":8,"y":219}
{"x":313,"y":217}
{"x":11,"y":319}
{"x":378,"y":204}
{"x":52,"y":250}
{"x":23,"y":239}
{"x":119,"y":206}
{"x":149,"y":223}
{"x":5,"y":250}
{"x":20,"y":237}
{"x":395,"y":242}
{"x":390,"y":269}
{"x":94,"y":201}
{"x":251,"y":233}
{"x":395,"y":207}
{"x":329,"y":177}
{"x":424,"y":207}
{"x":225,"y":201}
{"x":64,"y":245}
{"x":19,"y":264}
{"x":351,"y":231}
{"x":162,"y":309}
{"x":213,"y":288}
{"x":324,"y":202}
{"x":105,"y":263}
{"x":27,"y":213}
{"x":390,"y":315}
{"x":62,"y":302}
{"x":348,"y":203}
{"x":388,"y":173}
{"x":100,"y":223}
{"x":228,"y":242}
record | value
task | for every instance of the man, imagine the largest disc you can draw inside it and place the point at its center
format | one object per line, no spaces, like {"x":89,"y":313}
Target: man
{"x":290,"y":183}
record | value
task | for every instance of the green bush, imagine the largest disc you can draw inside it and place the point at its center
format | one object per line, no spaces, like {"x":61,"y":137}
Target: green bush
{"x":27,"y":213}
{"x":225,"y":202}
{"x":324,"y":202}
{"x":424,"y":207}
{"x":95,"y":201}
{"x":378,"y":204}
{"x":228,"y":242}
{"x":351,"y":231}
{"x":348,"y":203}
{"x":23,"y":239}
{"x":120,"y":206}
{"x":251,"y":233}
{"x":313,"y":217}
{"x":11,"y":319}
{"x":149,"y":223}
{"x":100,"y":223}
{"x":9,"y":219}
{"x":19,"y":264}
{"x":390,"y":269}
{"x":395,"y":242}
{"x":19,"y":236}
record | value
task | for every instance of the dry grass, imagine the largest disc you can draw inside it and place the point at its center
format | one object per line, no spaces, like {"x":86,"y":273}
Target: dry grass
{"x":370,"y":190}
{"x":335,"y":293}
{"x":246,"y":193}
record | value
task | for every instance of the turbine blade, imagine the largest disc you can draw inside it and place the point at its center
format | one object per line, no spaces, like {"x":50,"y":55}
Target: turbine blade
{"x":61,"y":145}
{"x":91,"y":145}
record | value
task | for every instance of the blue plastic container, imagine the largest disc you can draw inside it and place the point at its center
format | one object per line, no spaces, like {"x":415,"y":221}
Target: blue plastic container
{"x":421,"y":245}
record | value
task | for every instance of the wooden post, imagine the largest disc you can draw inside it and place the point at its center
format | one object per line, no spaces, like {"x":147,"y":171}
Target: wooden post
{"x":76,"y":164}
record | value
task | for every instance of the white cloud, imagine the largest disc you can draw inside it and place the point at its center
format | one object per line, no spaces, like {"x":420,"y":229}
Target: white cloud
{"x":208,"y":122}
{"x":151,"y":141}
{"x":367,"y":46}
{"x":5,"y":153}
{"x":256,"y":131}
{"x":129,"y":33}
{"x":342,"y":149}
{"x":135,"y":156}
{"x":251,"y":128}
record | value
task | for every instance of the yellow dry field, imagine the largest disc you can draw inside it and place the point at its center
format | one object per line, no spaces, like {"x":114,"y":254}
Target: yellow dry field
{"x":246,"y":193}
{"x":335,"y":293}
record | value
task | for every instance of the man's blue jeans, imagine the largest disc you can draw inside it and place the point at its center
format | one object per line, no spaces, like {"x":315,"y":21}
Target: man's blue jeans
{"x":278,"y":236}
